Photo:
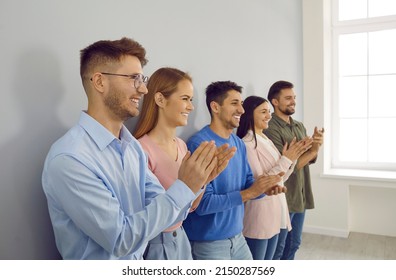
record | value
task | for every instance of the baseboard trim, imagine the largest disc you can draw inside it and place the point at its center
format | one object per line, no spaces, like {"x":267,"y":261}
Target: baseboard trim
{"x":326,"y":231}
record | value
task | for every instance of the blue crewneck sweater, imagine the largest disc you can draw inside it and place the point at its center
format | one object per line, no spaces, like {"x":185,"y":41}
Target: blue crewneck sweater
{"x":220,"y":212}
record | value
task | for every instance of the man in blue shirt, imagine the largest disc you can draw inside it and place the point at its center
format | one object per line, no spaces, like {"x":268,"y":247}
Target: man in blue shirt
{"x":215,"y":227}
{"x":103,"y":201}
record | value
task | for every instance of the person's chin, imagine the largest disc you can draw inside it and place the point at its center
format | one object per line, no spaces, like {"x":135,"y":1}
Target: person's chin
{"x":134,"y":113}
{"x":184,"y":123}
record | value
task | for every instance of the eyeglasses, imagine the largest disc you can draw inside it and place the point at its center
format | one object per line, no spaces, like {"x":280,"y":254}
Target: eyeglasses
{"x":138,"y":79}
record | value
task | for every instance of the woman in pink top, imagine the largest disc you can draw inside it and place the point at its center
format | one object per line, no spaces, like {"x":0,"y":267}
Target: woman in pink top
{"x":165,"y":107}
{"x":266,"y":217}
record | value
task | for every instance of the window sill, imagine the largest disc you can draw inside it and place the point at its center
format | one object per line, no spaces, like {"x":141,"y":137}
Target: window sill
{"x":362,"y":175}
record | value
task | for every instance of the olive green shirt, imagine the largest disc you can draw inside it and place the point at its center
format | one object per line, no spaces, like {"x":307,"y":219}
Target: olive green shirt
{"x":299,"y":190}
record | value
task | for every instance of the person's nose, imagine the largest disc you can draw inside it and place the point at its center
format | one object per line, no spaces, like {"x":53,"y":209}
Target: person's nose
{"x":143,"y":89}
{"x":190,"y":106}
{"x":240,"y":109}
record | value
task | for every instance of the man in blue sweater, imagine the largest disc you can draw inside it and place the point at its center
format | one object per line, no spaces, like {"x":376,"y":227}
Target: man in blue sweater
{"x":215,"y":227}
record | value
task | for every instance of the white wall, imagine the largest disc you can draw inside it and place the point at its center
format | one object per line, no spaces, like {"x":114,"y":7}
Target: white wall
{"x":342,"y":204}
{"x":253,"y":43}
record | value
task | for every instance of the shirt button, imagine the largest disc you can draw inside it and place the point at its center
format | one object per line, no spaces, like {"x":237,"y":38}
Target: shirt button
{"x":174,"y":234}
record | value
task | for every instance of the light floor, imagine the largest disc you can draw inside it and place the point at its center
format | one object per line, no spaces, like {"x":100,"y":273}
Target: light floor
{"x":358,"y":246}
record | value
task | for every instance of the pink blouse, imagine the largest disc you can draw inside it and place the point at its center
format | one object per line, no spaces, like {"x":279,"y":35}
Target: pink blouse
{"x":266,"y":216}
{"x":162,"y":165}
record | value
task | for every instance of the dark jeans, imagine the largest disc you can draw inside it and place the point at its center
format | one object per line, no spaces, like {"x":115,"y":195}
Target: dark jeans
{"x":293,"y":239}
{"x":262,"y":249}
{"x":281,"y":244}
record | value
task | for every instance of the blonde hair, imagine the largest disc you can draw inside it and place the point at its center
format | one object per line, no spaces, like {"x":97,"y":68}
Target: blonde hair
{"x":164,"y":80}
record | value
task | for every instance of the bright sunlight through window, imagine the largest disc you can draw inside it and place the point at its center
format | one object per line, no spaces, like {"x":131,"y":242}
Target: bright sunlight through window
{"x":364,"y":45}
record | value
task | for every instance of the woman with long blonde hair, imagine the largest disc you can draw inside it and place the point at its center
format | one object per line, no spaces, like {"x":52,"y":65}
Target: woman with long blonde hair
{"x":167,"y":106}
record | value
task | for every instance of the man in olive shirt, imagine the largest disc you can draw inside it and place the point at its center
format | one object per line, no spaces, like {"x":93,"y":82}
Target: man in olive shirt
{"x":282,"y":129}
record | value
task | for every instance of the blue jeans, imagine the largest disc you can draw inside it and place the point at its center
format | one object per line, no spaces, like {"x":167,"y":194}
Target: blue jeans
{"x":169,"y":246}
{"x":234,"y":248}
{"x":294,"y":236}
{"x":281,"y":244}
{"x":262,"y":249}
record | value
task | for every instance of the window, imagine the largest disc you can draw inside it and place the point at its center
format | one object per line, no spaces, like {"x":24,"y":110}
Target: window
{"x":364,"y":84}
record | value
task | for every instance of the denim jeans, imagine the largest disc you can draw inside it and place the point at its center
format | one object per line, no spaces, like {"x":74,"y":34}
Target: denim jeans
{"x":262,"y":249}
{"x":281,"y":244}
{"x":234,"y":248}
{"x":294,"y":236}
{"x":169,"y":246}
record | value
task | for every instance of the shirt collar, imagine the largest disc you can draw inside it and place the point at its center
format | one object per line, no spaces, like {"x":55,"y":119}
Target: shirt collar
{"x":281,"y":122}
{"x":99,"y":134}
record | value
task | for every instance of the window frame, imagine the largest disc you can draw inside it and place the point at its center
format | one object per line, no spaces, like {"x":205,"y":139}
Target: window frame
{"x":339,"y":28}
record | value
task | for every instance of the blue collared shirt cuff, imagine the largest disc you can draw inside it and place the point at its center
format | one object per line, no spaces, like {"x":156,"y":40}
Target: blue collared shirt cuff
{"x":181,"y":194}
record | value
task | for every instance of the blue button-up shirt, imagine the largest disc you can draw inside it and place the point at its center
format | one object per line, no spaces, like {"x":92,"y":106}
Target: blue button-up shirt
{"x":103,"y":201}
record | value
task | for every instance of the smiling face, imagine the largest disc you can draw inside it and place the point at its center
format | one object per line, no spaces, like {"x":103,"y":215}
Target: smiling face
{"x":229,"y":113}
{"x":178,"y":105}
{"x":121,"y":98}
{"x":285,"y":104}
{"x":262,"y":116}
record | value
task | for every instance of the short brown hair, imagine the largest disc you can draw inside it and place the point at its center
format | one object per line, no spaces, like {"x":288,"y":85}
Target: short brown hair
{"x":218,"y":92}
{"x":108,"y":53}
{"x":276,"y":88}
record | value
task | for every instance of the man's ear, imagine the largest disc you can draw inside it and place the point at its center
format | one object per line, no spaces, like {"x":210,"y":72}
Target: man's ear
{"x":159,"y":99}
{"x":275,"y":102}
{"x":97,"y":82}
{"x":214,"y":106}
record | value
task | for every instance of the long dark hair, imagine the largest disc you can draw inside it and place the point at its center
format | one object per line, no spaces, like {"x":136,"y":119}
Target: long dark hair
{"x":247,"y":119}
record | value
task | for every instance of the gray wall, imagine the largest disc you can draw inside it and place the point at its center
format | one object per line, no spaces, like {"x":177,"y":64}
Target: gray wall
{"x":253,"y":43}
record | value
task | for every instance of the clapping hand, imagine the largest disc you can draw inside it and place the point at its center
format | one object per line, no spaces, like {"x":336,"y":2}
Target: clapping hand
{"x":196,"y":168}
{"x":295,"y":149}
{"x":317,"y":138}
